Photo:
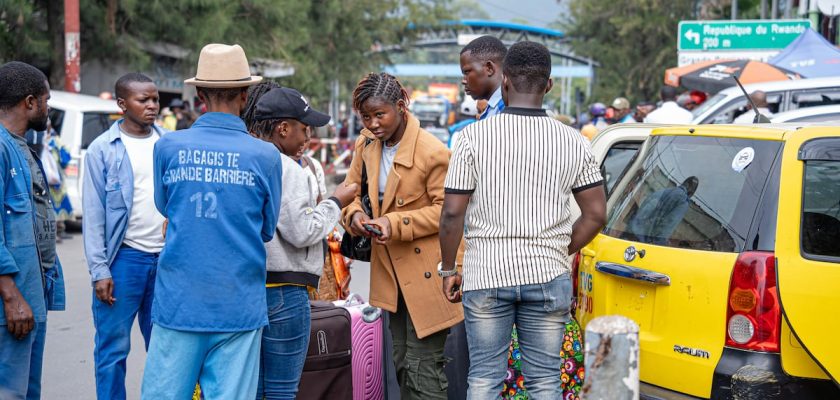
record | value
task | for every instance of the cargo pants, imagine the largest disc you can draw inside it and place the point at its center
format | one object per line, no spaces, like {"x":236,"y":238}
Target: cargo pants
{"x":419,"y":362}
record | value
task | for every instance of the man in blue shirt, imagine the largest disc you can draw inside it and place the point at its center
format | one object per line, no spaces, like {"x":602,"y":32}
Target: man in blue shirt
{"x":30,"y":274}
{"x":122,"y":229}
{"x":219,"y":188}
{"x":481,"y":65}
{"x":621,"y":111}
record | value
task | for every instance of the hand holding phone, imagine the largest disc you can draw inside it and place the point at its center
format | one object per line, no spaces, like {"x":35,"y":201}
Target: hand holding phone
{"x":372,"y":229}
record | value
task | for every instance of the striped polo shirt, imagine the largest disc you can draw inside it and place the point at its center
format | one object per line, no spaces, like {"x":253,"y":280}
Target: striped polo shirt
{"x":521,"y":167}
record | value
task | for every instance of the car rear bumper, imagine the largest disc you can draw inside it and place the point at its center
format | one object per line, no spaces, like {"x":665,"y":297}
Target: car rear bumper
{"x":750,"y":375}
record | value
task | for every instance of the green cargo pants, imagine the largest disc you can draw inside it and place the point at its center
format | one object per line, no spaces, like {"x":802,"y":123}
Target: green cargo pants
{"x":419,"y":362}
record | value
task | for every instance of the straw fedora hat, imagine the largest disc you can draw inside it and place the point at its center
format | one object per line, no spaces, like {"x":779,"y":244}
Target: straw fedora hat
{"x":223,"y":66}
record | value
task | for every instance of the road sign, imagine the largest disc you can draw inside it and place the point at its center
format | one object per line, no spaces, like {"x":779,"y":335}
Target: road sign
{"x":691,"y":57}
{"x":739,"y":35}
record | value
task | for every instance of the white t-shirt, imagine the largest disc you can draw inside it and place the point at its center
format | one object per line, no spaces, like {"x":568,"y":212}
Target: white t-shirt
{"x":669,"y":113}
{"x":385,"y":165}
{"x":145,"y":223}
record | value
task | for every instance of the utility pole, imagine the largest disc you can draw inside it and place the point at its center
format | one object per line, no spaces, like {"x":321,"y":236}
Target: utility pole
{"x":72,"y":45}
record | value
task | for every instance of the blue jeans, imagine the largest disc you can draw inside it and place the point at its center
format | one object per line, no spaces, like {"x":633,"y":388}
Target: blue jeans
{"x":225,"y":364}
{"x":540,"y":312}
{"x":21,"y":362}
{"x":133,"y":272}
{"x":284,"y":342}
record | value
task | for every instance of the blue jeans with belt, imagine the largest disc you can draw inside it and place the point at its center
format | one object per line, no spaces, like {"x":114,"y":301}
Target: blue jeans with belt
{"x":284,"y":342}
{"x":540,"y":312}
{"x":133,"y":272}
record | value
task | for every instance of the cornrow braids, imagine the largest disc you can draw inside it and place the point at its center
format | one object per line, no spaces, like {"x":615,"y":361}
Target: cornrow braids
{"x":383,"y":86}
{"x":256,"y":128}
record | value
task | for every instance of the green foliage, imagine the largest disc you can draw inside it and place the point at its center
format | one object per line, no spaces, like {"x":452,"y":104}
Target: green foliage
{"x":633,"y":40}
{"x":23,"y":34}
{"x":322,"y":39}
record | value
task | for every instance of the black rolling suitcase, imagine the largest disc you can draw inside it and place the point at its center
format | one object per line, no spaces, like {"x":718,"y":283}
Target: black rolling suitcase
{"x":328,"y":370}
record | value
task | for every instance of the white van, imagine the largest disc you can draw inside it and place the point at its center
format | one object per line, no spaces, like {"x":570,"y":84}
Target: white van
{"x":725,"y":106}
{"x":79,"y":119}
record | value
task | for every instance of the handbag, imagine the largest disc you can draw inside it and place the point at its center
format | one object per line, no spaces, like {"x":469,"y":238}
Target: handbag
{"x":358,"y":247}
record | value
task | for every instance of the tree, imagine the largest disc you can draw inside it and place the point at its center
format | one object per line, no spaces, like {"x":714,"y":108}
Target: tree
{"x":322,"y":39}
{"x":633,"y":40}
{"x":469,"y":9}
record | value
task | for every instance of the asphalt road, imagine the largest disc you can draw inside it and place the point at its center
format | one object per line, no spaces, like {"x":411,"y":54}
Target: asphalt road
{"x":68,"y":359}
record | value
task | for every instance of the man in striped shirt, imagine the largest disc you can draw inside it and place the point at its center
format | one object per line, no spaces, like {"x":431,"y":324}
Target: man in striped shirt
{"x":513,"y":177}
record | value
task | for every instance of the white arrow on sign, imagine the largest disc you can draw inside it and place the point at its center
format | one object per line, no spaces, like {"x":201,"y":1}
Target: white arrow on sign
{"x":695,"y":35}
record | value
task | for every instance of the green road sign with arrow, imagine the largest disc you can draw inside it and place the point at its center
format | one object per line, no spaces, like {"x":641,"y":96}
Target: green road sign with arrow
{"x":739,"y":34}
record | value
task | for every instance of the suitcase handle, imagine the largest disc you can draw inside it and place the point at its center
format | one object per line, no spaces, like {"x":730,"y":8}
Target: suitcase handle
{"x":354,"y":299}
{"x":371,"y":314}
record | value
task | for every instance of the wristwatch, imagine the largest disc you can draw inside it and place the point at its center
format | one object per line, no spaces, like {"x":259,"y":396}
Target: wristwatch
{"x":446,"y":273}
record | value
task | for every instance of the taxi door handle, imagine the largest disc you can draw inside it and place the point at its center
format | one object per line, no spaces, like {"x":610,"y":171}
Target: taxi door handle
{"x":628,"y":272}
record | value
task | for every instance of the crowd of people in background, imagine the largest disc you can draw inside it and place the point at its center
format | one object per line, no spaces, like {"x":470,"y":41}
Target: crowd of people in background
{"x":672,"y":107}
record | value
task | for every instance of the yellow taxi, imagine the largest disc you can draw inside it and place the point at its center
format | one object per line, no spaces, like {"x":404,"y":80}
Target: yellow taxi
{"x":723,"y":244}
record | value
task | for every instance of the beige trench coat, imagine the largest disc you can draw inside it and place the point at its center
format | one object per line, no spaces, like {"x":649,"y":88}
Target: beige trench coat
{"x":412,"y":203}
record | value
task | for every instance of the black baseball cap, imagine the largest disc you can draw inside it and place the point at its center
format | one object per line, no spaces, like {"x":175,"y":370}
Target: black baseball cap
{"x":289,"y":103}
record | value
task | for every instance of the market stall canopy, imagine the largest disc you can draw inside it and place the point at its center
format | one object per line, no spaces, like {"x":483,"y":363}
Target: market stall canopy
{"x":714,"y":76}
{"x":810,"y":55}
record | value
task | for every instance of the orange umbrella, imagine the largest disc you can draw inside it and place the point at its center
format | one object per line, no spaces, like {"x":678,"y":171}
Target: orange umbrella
{"x":714,"y":76}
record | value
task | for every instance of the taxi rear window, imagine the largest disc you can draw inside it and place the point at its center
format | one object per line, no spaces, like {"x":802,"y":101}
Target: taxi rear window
{"x":821,"y":210}
{"x":693,"y":192}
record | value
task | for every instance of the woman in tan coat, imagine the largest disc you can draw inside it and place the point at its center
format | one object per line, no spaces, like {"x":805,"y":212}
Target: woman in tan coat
{"x":406,"y":167}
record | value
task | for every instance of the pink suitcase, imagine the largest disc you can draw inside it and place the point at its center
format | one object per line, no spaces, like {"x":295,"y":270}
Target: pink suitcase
{"x":366,"y":348}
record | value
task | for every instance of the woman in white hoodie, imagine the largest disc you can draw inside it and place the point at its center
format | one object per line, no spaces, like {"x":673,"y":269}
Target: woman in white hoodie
{"x":295,"y":257}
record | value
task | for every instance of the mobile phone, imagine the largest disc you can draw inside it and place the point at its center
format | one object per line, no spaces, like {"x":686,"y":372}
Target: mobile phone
{"x":372,"y":229}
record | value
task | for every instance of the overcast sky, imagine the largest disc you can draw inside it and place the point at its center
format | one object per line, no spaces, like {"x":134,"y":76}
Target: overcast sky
{"x":538,"y":12}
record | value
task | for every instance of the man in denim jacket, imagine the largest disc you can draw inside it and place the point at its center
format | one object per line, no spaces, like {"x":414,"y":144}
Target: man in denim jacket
{"x":220,"y":189}
{"x":122,"y":230}
{"x":30,"y":274}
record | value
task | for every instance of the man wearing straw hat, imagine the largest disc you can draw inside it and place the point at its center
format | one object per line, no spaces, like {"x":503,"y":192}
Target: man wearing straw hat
{"x":219,"y":188}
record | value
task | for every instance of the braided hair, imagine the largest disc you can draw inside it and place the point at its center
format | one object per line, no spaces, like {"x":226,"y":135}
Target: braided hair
{"x":382,"y":86}
{"x":259,"y":129}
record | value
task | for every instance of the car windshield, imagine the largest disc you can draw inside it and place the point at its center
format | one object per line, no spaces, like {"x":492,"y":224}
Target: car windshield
{"x":707,"y":105}
{"x":94,"y":123}
{"x":693,"y":192}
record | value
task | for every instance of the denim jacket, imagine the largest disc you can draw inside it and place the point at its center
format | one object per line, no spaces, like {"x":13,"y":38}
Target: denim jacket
{"x":107,"y":193}
{"x":18,"y":251}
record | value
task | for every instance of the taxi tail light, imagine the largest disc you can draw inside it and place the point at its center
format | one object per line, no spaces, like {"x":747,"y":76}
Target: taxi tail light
{"x":753,"y":315}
